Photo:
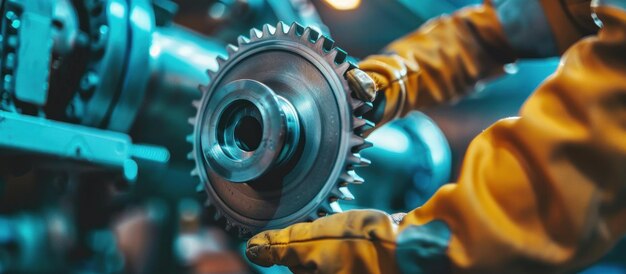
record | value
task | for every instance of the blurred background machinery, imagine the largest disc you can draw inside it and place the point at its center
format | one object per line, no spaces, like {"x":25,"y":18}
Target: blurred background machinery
{"x":94,"y":101}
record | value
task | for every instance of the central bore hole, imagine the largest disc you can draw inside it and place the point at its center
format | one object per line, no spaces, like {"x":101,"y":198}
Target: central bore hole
{"x":248,"y":133}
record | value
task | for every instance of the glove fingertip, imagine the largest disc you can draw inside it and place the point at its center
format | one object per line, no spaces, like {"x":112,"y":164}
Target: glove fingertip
{"x":258,"y":249}
{"x":260,"y":255}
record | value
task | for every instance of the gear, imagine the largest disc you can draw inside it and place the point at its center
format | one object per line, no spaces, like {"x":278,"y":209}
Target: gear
{"x":277,"y":134}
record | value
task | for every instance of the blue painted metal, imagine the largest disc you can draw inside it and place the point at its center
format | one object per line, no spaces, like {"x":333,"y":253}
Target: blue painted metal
{"x":34,"y":51}
{"x":410,"y":158}
{"x":33,"y":135}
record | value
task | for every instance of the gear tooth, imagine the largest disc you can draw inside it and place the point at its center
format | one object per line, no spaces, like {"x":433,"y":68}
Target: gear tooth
{"x":255,"y":34}
{"x":359,"y":143}
{"x":342,"y":67}
{"x":217,"y":215}
{"x":358,"y":122}
{"x":199,"y":188}
{"x":345,"y":178}
{"x":268,"y":30}
{"x":336,"y":57}
{"x":242,"y":40}
{"x":361,"y":125}
{"x":335,"y":207}
{"x":347,"y":195}
{"x":306,"y":34}
{"x":220,"y":60}
{"x":207,"y":203}
{"x":356,"y":140}
{"x":355,"y":160}
{"x":363,"y":108}
{"x":313,"y":216}
{"x":231,"y":49}
{"x":295,"y":29}
{"x":364,"y":162}
{"x":229,"y":225}
{"x":327,"y":44}
{"x":324,"y":44}
{"x":310,"y":35}
{"x":211,"y":74}
{"x":280,"y":28}
{"x":190,"y":156}
{"x":196,"y":104}
{"x":340,"y":58}
{"x":331,"y":56}
{"x":189,"y":138}
{"x":343,"y":193}
{"x":325,"y":209}
{"x":365,"y":145}
{"x":192,"y":121}
{"x":356,"y":179}
{"x":350,"y":177}
{"x":319,"y":44}
{"x":194,"y":172}
{"x":243,"y":231}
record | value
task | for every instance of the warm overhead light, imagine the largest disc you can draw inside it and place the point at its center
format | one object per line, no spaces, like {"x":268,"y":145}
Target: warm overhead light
{"x":343,"y":4}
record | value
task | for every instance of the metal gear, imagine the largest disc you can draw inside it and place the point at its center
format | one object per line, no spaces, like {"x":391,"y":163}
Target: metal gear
{"x":278,"y":132}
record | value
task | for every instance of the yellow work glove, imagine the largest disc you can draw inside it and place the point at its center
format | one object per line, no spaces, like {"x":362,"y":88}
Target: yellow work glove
{"x":540,"y":193}
{"x":357,"y":241}
{"x":444,"y":59}
{"x":439,"y":62}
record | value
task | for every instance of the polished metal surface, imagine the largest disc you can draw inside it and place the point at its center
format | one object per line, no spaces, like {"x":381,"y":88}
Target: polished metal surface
{"x":276,"y":137}
{"x":109,"y":33}
{"x":179,"y":59}
{"x":411,"y":159}
{"x":255,"y":130}
{"x":141,"y":24}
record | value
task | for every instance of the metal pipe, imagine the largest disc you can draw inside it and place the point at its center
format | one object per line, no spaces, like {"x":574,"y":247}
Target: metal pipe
{"x":179,"y":59}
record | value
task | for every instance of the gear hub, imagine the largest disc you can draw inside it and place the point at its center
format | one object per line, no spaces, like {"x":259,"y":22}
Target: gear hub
{"x":277,"y":134}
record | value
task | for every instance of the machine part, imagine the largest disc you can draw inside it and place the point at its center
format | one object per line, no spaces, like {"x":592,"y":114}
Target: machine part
{"x":35,"y":243}
{"x":179,"y":60}
{"x":21,"y":133}
{"x":362,"y":84}
{"x":278,"y":133}
{"x":27,"y":39}
{"x":120,"y":40}
{"x":411,"y":159}
{"x":131,"y":95}
{"x":90,"y":63}
{"x":107,"y":27}
{"x":34,"y":51}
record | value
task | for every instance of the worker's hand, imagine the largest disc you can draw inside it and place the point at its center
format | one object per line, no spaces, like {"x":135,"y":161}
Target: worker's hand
{"x":362,"y":84}
{"x":351,"y":242}
{"x":357,"y":241}
{"x":438,"y":63}
{"x":389,"y":74}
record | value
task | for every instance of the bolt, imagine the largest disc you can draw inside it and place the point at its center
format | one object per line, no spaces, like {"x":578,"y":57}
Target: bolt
{"x":88,"y":83}
{"x":362,"y":85}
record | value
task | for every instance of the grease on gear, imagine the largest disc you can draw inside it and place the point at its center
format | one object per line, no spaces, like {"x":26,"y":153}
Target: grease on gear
{"x":278,"y":132}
